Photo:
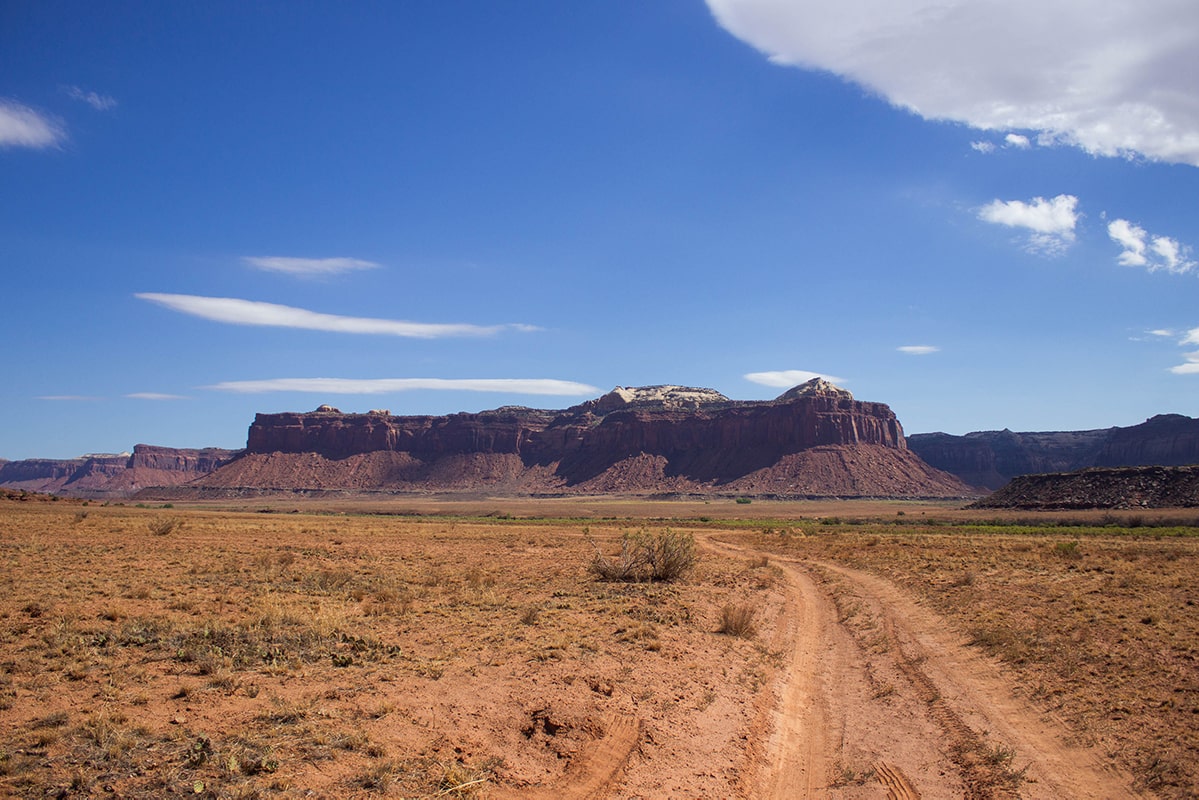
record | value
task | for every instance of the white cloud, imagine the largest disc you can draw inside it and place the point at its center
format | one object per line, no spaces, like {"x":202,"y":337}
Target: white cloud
{"x":307,"y":267}
{"x":918,"y":349}
{"x":785,"y":379}
{"x":983,"y":147}
{"x":100,"y":102}
{"x":154,"y":396}
{"x":1152,"y":252}
{"x":1190,"y":365}
{"x":1114,"y":81}
{"x":538,"y":386}
{"x":1173,"y":254}
{"x":1017,"y":140}
{"x":1132,"y":238}
{"x":1050,"y":222}
{"x":251,"y":312}
{"x":21,"y":126}
{"x":66,"y":397}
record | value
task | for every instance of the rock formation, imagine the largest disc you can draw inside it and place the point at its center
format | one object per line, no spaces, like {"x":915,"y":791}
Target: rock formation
{"x":991,"y":458}
{"x":1101,"y":487}
{"x":113,"y":475}
{"x":814,"y":440}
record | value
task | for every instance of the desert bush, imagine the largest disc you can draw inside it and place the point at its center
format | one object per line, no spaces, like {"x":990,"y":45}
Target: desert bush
{"x":736,"y":620}
{"x":1068,"y":550}
{"x":164,"y":525}
{"x":663,"y":556}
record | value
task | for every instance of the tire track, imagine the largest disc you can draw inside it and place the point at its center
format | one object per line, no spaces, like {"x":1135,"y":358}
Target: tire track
{"x":591,"y":773}
{"x":973,"y":725}
{"x":798,"y":762}
{"x":896,"y":782}
{"x":952,"y":682}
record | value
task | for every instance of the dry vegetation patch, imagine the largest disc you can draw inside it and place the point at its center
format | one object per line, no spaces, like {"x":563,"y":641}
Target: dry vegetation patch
{"x":1099,"y":625}
{"x":227,"y":654}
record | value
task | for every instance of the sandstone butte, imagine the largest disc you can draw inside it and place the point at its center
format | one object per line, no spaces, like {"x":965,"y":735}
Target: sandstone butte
{"x":815,"y":440}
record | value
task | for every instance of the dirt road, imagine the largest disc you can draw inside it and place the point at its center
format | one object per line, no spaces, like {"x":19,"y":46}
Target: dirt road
{"x":877,"y":697}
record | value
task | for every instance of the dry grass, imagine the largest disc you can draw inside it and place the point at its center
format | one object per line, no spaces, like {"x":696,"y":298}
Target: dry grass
{"x":254,"y":655}
{"x":737,"y":620}
{"x":1099,"y":625}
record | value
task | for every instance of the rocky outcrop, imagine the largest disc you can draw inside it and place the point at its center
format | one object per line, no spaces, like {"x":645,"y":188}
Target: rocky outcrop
{"x":113,"y":475}
{"x":1101,"y":487}
{"x":990,"y":459}
{"x":638,"y":439}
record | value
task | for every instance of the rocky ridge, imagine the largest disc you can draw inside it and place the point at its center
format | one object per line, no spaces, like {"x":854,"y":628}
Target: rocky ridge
{"x":990,"y":459}
{"x":103,"y":475}
{"x":814,"y":440}
{"x":1101,"y":487}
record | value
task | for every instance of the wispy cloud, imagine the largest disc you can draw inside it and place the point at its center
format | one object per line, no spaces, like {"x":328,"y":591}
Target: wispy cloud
{"x":1050,"y":223}
{"x":538,"y":386}
{"x":1190,"y":365}
{"x":1113,"y":83}
{"x":785,"y":379}
{"x":918,"y":349}
{"x":100,"y":102}
{"x":67,"y":397}
{"x":308,"y":267}
{"x":154,"y":396}
{"x":21,"y":126}
{"x":1190,"y":360}
{"x":983,"y":147}
{"x":251,"y":312}
{"x":1151,"y":252}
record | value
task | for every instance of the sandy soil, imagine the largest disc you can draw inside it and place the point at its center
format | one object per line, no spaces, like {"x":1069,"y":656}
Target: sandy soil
{"x":253,"y":655}
{"x":877,"y":690}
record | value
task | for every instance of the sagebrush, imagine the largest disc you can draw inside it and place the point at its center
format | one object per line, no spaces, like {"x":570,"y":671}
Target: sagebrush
{"x":644,"y":556}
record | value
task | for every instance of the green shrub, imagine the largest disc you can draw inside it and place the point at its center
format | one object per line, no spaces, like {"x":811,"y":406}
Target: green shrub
{"x":1067,"y":550}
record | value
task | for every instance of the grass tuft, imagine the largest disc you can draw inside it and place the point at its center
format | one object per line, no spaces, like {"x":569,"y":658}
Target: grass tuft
{"x":737,"y":620}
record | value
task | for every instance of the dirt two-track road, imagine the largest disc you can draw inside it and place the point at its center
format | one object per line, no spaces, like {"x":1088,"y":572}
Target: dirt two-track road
{"x":876,"y":697}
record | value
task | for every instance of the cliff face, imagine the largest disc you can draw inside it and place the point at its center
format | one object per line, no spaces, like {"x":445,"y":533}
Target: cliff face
{"x":113,"y":475}
{"x":1167,"y":440}
{"x":991,"y":458}
{"x":657,"y":438}
{"x":619,"y":424}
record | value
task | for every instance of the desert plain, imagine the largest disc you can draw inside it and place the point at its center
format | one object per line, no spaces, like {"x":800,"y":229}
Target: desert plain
{"x":467,"y":647}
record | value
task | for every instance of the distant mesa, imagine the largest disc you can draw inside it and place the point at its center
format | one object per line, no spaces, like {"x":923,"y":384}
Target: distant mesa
{"x":101,"y":475}
{"x":815,"y":440}
{"x":990,"y":459}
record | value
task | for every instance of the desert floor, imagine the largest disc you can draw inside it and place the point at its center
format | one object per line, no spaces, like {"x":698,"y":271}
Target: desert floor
{"x":465,"y":647}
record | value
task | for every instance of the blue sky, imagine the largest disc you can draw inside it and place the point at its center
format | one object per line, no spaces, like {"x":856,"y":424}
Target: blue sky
{"x":980,"y":213}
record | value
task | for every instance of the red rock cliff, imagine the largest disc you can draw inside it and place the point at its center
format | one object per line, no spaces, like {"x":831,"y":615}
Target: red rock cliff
{"x":701,"y":434}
